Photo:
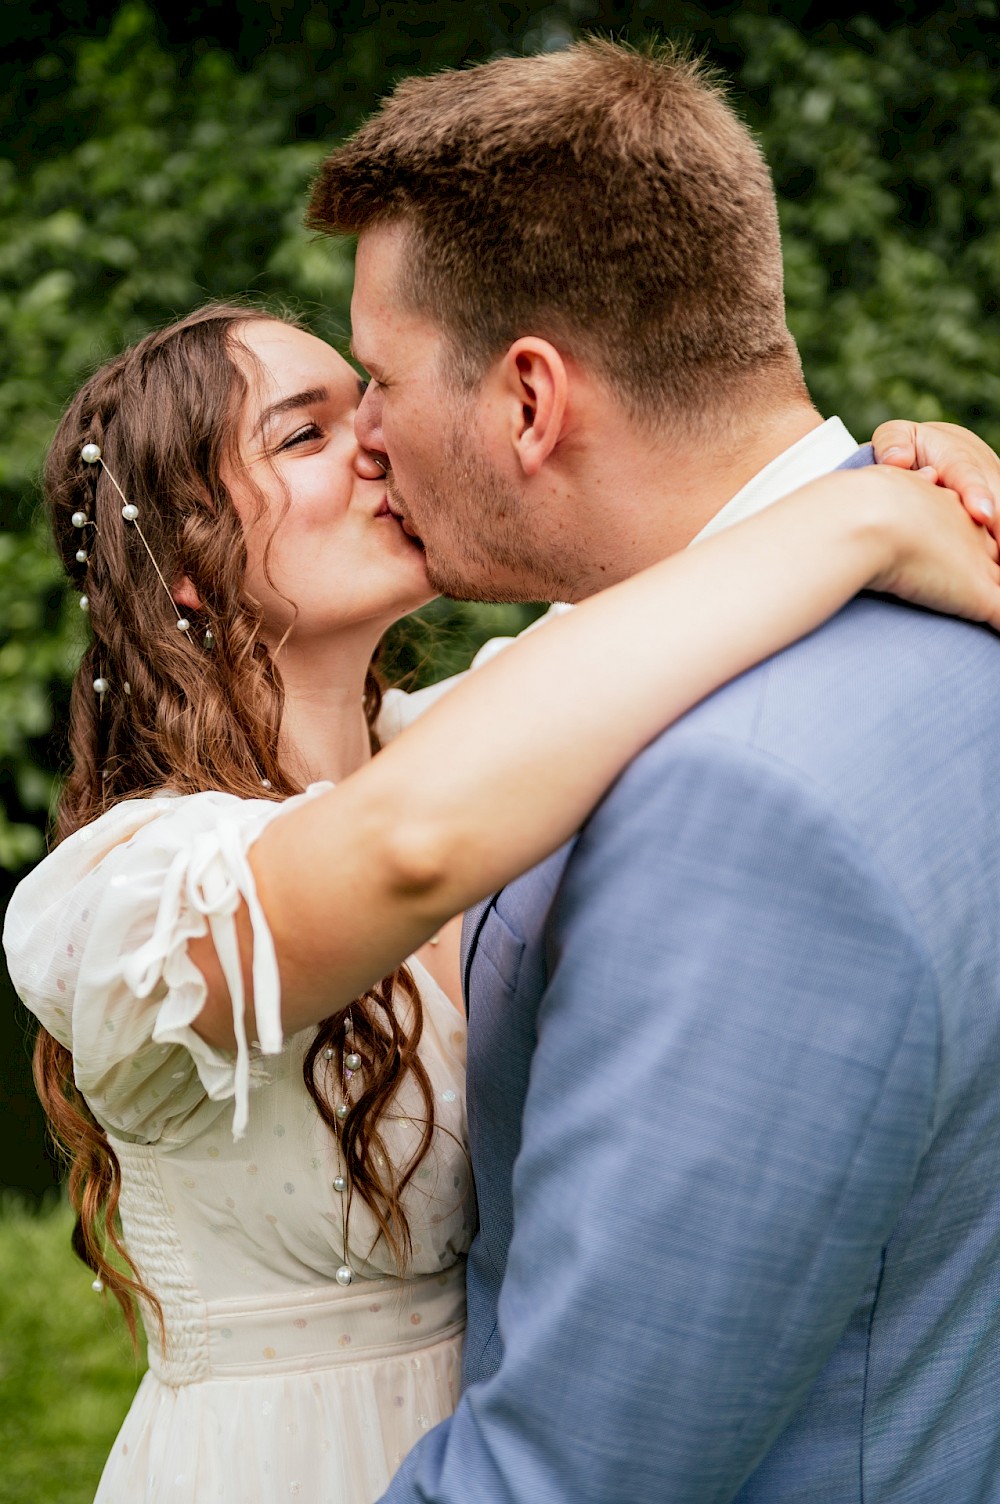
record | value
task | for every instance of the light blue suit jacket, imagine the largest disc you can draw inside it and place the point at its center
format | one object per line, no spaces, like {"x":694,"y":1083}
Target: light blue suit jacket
{"x":734,"y":1093}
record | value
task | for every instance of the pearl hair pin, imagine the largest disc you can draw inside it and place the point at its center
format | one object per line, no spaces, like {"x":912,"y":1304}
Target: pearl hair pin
{"x":91,"y":455}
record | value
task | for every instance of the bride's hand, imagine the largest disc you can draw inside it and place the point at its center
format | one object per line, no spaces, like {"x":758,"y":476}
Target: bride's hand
{"x":941,"y":558}
{"x":963,"y":462}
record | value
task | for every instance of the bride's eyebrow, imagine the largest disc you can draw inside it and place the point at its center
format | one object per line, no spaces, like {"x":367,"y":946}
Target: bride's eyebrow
{"x":290,"y":404}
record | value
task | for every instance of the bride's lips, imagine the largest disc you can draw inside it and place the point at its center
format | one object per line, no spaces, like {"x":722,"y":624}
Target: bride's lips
{"x":387,"y":510}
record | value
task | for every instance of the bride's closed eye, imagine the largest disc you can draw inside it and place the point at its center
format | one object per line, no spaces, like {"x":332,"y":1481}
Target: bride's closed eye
{"x":303,"y":435}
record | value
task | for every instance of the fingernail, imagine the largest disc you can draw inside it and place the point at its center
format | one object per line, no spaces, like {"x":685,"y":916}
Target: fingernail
{"x":984,"y":504}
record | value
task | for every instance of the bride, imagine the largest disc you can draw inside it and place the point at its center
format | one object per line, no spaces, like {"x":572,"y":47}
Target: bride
{"x":289,"y":1171}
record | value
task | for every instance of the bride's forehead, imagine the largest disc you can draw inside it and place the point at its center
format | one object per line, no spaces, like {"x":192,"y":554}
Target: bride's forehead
{"x":288,"y":360}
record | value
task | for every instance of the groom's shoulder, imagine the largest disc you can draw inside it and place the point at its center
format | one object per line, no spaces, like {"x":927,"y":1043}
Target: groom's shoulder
{"x":870,"y":698}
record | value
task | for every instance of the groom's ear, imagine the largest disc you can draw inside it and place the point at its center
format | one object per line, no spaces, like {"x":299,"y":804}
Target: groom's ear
{"x":535,"y":381}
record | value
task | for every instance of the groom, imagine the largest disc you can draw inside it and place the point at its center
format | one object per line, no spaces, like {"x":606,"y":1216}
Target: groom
{"x":734,"y":1071}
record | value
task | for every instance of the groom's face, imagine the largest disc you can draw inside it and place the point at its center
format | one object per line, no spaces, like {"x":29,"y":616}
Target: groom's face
{"x":442,"y":445}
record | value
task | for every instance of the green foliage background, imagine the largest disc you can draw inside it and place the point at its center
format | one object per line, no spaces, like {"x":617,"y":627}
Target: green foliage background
{"x":154,"y":157}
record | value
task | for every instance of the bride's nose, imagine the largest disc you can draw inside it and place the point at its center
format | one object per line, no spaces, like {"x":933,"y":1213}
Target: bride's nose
{"x":370,"y":466}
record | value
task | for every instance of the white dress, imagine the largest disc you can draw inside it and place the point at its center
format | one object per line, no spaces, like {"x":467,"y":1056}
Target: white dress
{"x":274,"y":1382}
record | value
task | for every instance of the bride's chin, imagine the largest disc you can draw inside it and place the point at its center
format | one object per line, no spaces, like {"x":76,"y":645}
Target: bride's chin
{"x":414,"y":601}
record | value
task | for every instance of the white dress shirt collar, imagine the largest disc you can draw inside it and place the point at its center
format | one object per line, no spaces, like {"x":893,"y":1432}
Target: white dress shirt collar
{"x":821,"y":450}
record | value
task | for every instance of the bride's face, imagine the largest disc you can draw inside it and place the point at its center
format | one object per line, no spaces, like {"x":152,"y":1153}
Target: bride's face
{"x":326,"y":555}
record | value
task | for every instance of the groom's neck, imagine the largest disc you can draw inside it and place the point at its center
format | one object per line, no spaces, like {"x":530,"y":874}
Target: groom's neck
{"x":657,"y":496}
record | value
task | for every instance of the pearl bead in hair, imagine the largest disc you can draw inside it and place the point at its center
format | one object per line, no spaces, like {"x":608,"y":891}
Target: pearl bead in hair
{"x":90,"y":454}
{"x":79,"y":519}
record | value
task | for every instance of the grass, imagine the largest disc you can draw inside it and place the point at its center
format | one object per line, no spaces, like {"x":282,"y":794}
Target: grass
{"x":67,"y":1373}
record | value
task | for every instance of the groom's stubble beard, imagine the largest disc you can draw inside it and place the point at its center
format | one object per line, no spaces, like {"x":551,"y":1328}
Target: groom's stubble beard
{"x":477,"y":530}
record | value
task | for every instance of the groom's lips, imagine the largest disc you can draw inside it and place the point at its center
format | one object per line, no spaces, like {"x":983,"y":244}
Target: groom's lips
{"x":404,"y":522}
{"x":388,"y":510}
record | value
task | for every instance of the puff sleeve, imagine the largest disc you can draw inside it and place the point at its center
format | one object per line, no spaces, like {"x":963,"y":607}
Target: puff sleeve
{"x":96,"y":940}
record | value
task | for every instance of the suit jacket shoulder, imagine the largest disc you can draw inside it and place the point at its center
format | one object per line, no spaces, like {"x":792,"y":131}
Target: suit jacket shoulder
{"x":760,"y":1018}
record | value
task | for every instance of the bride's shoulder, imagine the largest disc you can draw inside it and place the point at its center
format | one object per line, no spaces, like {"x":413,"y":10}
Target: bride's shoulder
{"x":125,"y":837}
{"x":128,"y":817}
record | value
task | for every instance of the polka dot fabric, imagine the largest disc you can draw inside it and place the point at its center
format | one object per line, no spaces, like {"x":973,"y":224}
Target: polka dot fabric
{"x":274,"y":1381}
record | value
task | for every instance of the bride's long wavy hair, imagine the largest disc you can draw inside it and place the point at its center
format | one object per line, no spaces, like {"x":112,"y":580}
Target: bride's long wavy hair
{"x":165,"y":414}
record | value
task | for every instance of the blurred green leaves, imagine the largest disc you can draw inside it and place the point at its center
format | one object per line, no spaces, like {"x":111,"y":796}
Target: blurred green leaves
{"x":886,"y":151}
{"x":147,"y":168}
{"x":38,"y":647}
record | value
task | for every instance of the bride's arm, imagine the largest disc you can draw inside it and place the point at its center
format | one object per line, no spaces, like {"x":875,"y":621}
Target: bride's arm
{"x":501,"y":771}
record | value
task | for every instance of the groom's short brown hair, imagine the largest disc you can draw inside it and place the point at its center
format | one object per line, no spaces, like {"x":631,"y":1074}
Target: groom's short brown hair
{"x":604,"y":198}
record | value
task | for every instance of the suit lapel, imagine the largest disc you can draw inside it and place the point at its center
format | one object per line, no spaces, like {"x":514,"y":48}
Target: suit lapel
{"x":472,"y":926}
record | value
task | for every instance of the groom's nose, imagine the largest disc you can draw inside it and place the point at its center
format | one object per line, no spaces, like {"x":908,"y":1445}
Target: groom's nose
{"x":368,"y":421}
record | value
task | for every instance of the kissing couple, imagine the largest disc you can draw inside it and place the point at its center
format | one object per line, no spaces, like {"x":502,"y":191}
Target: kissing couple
{"x":733,"y":1097}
